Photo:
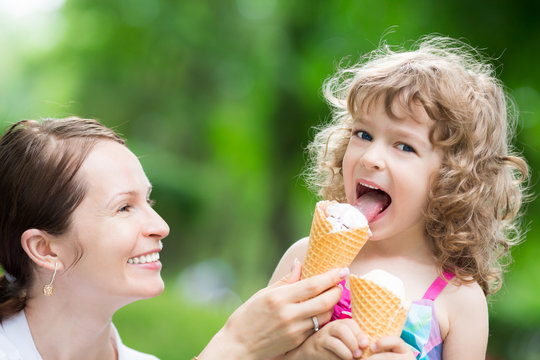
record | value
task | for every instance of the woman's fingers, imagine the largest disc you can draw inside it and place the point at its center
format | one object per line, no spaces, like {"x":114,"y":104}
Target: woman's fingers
{"x":316,"y":322}
{"x":321,"y":303}
{"x":311,"y":287}
{"x":324,"y":317}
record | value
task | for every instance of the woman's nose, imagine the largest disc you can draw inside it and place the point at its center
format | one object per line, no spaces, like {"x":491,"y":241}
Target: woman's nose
{"x":156,"y":227}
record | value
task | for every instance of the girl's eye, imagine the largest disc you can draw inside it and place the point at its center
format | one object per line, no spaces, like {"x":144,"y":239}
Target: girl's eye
{"x":124,"y":208}
{"x":363,"y":135}
{"x":406,"y":148}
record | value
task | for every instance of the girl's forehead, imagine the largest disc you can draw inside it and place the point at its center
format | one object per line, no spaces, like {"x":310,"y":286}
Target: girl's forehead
{"x":396,"y":108}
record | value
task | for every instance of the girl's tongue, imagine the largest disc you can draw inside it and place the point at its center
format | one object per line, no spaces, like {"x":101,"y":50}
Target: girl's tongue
{"x":372,"y":203}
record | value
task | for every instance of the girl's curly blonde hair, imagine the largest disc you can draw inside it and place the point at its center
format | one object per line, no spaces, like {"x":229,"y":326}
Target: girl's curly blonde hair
{"x":475,"y":198}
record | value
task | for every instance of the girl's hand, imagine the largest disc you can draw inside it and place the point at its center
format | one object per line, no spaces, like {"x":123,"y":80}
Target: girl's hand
{"x":391,"y":348}
{"x":340,"y":339}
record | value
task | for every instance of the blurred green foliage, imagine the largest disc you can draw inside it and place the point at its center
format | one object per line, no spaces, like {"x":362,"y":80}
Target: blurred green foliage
{"x":219,"y":97}
{"x":186,"y":331}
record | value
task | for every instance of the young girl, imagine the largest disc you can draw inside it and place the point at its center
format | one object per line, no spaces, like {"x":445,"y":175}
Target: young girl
{"x":419,"y":143}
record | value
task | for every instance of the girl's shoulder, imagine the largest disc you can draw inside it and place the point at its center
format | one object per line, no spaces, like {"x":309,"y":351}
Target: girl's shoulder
{"x":458,"y":295}
{"x":461,"y":306}
{"x":295,"y":251}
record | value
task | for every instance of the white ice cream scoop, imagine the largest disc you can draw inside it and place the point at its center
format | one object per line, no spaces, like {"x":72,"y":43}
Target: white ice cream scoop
{"x":344,"y":217}
{"x":388,"y":281}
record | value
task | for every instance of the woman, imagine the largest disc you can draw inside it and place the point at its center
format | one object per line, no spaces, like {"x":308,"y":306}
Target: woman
{"x":80,"y":240}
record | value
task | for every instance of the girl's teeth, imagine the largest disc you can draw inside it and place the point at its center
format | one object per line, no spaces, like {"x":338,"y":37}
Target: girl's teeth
{"x":369,"y":186}
{"x":143,"y":259}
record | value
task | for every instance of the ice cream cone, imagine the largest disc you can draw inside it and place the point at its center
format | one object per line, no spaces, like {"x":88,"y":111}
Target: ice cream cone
{"x":329,"y":249}
{"x":378,"y":311}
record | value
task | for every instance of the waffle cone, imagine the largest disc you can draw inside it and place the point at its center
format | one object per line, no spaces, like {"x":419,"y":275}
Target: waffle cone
{"x":328,"y":250}
{"x":377,"y":310}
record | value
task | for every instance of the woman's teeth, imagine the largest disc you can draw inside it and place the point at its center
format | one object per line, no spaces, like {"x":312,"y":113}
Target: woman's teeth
{"x":144,"y":258}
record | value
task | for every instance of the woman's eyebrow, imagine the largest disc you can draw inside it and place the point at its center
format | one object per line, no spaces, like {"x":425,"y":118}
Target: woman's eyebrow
{"x":121,"y":194}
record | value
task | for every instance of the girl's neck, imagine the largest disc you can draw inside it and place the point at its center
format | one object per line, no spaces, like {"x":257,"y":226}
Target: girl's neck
{"x":412,"y":261}
{"x":403,"y":251}
{"x":67,"y":329}
{"x":411,"y":245}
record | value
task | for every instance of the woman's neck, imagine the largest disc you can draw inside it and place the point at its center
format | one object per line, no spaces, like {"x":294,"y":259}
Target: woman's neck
{"x":67,"y":329}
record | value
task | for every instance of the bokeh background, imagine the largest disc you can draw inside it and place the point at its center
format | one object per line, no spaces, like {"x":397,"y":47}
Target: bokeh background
{"x":219,"y":99}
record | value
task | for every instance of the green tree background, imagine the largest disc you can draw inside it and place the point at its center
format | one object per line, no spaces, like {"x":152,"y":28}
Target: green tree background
{"x":219,"y":99}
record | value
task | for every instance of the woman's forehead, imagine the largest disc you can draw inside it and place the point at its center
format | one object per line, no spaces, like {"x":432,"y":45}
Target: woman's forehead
{"x":111,"y":167}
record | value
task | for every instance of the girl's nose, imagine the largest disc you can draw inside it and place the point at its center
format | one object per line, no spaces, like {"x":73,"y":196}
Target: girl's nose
{"x":373,"y":159}
{"x":156,"y":227}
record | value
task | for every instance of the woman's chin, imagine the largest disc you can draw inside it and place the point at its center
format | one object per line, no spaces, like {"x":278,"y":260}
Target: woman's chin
{"x":155,"y":290}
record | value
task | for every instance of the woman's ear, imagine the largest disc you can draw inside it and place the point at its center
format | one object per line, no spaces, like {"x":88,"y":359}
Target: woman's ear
{"x":37,"y":245}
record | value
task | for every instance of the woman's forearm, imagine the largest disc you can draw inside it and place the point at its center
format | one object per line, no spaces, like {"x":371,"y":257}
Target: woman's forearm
{"x":224,"y":345}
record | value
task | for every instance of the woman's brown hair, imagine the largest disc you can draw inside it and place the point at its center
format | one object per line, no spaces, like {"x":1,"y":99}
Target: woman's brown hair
{"x":39,"y":161}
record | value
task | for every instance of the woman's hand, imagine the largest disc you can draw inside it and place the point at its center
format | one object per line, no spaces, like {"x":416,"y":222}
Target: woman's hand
{"x":277,"y":318}
{"x":341,"y":339}
{"x":391,"y":348}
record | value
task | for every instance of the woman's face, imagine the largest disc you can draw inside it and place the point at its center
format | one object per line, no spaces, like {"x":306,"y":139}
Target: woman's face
{"x":115,"y":228}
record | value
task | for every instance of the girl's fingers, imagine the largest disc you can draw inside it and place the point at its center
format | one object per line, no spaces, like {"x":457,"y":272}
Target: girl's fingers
{"x":392,"y":344}
{"x":348,"y":332}
{"x":336,"y":347}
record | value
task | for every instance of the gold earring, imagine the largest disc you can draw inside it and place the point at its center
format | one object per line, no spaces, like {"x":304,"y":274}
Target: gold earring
{"x":48,"y":289}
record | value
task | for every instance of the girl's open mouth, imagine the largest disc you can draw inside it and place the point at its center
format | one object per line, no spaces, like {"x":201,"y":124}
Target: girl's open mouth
{"x":371,"y":201}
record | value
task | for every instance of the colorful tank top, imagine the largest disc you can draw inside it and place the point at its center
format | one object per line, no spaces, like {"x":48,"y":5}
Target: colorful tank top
{"x":421,"y":331}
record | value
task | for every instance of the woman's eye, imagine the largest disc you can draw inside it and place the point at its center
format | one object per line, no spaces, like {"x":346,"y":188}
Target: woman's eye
{"x":124,"y":208}
{"x":363,"y":135}
{"x":406,"y":148}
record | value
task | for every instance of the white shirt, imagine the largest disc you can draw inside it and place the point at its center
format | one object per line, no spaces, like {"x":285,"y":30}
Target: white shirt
{"x":16,"y":342}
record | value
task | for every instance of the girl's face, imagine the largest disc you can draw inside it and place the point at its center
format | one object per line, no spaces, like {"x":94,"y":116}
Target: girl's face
{"x":116,"y":229}
{"x":387,"y":169}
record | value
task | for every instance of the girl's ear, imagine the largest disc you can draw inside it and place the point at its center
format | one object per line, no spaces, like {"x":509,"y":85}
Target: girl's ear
{"x":37,"y":245}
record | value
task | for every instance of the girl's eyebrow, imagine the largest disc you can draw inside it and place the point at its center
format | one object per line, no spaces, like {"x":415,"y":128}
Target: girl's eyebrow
{"x":413,"y":135}
{"x":400,"y":130}
{"x":361,"y":120}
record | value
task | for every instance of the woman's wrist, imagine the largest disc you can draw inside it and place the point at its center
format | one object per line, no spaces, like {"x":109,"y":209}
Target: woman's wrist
{"x":224,"y":345}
